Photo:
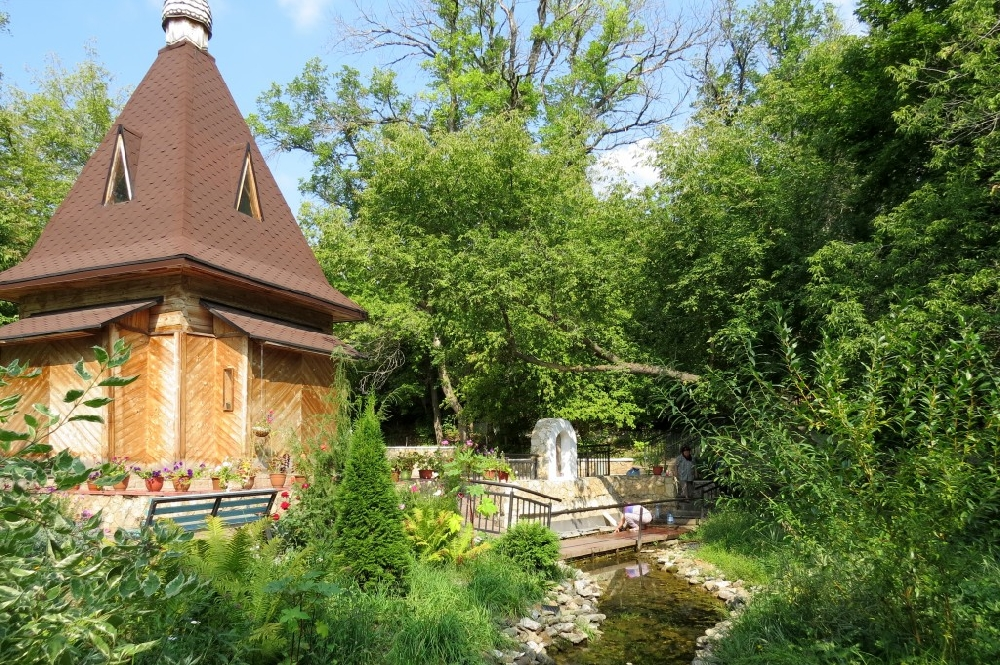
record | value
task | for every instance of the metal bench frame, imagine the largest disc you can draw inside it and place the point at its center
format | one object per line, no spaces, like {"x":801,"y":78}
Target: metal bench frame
{"x":190,"y":510}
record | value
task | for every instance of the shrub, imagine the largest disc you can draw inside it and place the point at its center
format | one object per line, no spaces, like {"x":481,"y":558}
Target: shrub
{"x":370,"y":540}
{"x":532,"y":546}
{"x":441,"y":536}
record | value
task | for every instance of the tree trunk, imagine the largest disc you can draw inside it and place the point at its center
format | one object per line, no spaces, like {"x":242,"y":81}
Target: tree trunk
{"x":450,"y":398}
{"x":435,"y":405}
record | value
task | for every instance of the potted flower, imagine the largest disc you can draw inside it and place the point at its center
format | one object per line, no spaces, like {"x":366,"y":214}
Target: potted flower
{"x":405,"y":463}
{"x":153,"y":479}
{"x":92,"y":485}
{"x":119,"y":466}
{"x":223,"y":474}
{"x":278,"y":467}
{"x":262,"y":428}
{"x":425,"y":466}
{"x":181,"y":475}
{"x":504,"y":469}
{"x":246,"y":471}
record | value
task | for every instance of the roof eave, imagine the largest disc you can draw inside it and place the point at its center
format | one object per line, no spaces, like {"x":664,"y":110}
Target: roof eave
{"x":13,"y":290}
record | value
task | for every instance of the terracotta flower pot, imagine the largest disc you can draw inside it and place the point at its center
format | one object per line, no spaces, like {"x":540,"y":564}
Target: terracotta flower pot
{"x":217,"y":483}
{"x":122,"y":484}
{"x":154,"y":484}
{"x":278,"y":479}
{"x":657,"y":470}
{"x":248,"y":483}
{"x":181,"y":484}
{"x":490,"y":474}
{"x":503,"y":476}
{"x":426,"y":474}
{"x":298,"y":480}
{"x":93,"y":487}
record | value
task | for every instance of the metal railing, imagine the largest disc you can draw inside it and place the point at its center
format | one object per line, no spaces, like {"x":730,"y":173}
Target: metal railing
{"x":524,"y":467}
{"x":593,"y":459}
{"x":509,"y":506}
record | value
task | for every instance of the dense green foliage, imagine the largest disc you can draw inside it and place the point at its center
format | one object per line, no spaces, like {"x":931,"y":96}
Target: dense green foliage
{"x":370,"y":541}
{"x":46,"y":137}
{"x":532,"y":547}
{"x":877,"y":456}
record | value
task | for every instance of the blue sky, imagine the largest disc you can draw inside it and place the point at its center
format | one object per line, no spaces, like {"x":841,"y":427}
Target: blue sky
{"x":254,"y":42}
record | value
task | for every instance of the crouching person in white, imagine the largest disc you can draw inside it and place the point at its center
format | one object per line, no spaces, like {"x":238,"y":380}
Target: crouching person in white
{"x":632,"y":516}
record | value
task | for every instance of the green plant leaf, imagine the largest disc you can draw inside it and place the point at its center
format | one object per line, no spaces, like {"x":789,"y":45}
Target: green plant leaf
{"x":116,"y":381}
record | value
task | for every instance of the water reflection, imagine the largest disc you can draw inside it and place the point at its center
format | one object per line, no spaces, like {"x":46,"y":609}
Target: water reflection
{"x":653,"y":618}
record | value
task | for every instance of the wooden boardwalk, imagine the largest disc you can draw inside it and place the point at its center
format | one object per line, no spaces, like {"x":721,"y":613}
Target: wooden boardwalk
{"x":608,"y":543}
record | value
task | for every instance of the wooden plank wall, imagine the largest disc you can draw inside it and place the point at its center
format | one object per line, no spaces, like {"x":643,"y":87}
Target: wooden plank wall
{"x":162,"y":399}
{"x":200,"y":405}
{"x":86,"y":439}
{"x":231,"y":348}
{"x":32,"y":391}
{"x":317,"y":378}
{"x":130,"y":409}
{"x":295,"y":385}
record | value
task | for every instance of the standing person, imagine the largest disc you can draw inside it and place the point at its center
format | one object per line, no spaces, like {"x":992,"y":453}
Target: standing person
{"x":685,"y":473}
{"x":632,"y":516}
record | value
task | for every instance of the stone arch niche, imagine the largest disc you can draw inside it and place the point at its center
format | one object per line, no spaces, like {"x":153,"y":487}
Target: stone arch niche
{"x":553,"y":441}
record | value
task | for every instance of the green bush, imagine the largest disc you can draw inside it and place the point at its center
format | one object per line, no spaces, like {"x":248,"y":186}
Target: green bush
{"x":876,"y":456}
{"x":370,"y":541}
{"x":531,"y":546}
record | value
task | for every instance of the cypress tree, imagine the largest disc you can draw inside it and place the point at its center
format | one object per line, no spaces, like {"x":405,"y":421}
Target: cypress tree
{"x":370,"y":539}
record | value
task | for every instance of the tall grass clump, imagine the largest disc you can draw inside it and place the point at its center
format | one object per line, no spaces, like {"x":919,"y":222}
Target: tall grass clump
{"x":370,"y":541}
{"x":443,"y":623}
{"x":877,"y":457}
{"x":501,"y":586}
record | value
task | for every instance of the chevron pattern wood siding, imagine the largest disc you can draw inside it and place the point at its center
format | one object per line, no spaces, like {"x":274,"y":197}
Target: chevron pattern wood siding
{"x":316,"y":376}
{"x":32,"y":391}
{"x":84,"y":438}
{"x":128,"y":423}
{"x":231,"y":426}
{"x":199,"y":403}
{"x":162,"y":399}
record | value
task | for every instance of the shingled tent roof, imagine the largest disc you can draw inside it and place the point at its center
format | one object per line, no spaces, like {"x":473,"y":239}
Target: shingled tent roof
{"x":187,"y":144}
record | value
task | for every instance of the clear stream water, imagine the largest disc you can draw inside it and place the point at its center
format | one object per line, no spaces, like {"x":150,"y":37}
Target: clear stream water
{"x":653,"y":617}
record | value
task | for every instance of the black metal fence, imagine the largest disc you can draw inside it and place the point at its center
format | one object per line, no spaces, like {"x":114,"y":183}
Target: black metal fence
{"x":525,"y":468}
{"x":593,"y":459}
{"x":501,"y":506}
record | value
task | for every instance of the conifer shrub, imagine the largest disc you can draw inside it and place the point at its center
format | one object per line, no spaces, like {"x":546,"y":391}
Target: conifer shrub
{"x":532,"y":546}
{"x":370,"y":542}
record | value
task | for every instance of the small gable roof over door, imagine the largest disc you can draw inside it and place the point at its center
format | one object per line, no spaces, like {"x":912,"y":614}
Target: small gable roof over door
{"x":68,"y":322}
{"x":184,"y":192}
{"x":277,"y":332}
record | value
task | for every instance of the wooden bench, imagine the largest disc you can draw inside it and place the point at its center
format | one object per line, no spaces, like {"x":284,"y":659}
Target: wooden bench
{"x":190,"y":510}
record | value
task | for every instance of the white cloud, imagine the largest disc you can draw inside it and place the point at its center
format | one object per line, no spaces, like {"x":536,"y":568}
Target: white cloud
{"x":631,"y":164}
{"x":305,"y":13}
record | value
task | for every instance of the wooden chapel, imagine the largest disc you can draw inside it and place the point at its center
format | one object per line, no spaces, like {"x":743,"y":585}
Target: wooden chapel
{"x":176,"y":238}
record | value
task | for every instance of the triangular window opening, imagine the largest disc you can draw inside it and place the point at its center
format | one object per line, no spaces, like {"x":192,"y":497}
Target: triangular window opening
{"x":119,"y":183}
{"x":247,"y":202}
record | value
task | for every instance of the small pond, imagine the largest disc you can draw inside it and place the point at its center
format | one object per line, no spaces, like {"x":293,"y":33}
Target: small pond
{"x":653,"y":616}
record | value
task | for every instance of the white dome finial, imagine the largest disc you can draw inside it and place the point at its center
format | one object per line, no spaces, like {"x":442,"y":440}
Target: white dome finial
{"x":187,"y":19}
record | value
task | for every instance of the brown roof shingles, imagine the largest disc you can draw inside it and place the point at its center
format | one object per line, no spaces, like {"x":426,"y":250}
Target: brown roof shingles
{"x":192,"y":143}
{"x":68,"y":321}
{"x":279,"y":332}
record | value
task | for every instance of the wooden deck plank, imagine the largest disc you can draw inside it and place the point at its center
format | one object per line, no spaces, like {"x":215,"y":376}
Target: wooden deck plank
{"x":606,"y":543}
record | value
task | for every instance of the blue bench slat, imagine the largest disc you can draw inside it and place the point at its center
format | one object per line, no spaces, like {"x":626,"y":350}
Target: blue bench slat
{"x":235,"y":508}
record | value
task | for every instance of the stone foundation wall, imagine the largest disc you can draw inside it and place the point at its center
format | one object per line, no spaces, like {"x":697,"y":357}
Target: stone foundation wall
{"x":603,"y":490}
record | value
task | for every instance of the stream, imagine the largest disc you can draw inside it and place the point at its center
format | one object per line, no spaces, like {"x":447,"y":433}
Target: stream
{"x":653,"y":617}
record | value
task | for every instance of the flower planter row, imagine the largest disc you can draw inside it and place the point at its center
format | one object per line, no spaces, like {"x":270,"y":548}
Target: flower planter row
{"x":184,"y":484}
